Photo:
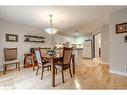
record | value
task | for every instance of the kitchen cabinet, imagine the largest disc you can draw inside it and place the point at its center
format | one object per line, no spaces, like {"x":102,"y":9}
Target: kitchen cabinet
{"x":87,"y":50}
{"x":78,"y":55}
{"x":62,"y":39}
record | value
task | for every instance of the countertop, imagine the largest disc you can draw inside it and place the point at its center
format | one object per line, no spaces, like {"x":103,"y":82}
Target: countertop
{"x":78,"y":48}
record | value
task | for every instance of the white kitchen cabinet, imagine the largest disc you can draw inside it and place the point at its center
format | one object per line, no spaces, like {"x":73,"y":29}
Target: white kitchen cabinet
{"x":57,"y":39}
{"x":61,"y":39}
{"x":87,"y":49}
{"x":78,"y":55}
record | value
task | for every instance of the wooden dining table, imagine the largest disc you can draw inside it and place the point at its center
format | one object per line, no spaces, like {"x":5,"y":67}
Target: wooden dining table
{"x":53,"y":59}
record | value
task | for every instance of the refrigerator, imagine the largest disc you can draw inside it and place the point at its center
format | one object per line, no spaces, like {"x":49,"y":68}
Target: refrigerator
{"x":87,"y":49}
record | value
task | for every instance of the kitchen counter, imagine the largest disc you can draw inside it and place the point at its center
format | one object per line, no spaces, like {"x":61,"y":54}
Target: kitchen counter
{"x":73,"y":49}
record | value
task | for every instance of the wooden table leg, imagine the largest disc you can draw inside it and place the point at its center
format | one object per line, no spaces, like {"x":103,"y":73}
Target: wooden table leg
{"x":33,"y":60}
{"x":33,"y":65}
{"x":53,"y":72}
{"x":73,"y":64}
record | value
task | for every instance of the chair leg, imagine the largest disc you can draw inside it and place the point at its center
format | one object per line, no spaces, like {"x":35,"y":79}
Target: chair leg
{"x":37,"y":70}
{"x":56,"y":70}
{"x":19,"y":66}
{"x":4,"y":69}
{"x":48,"y":68}
{"x":70,"y":71}
{"x":16,"y":66}
{"x":62,"y":76}
{"x":42,"y":72}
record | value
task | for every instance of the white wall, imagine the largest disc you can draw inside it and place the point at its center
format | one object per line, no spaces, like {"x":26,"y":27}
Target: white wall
{"x":0,"y":46}
{"x":118,"y":48}
{"x":21,"y":30}
{"x":105,"y":43}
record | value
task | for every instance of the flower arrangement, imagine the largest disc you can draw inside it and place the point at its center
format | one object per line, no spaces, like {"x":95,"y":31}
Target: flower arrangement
{"x":51,"y":52}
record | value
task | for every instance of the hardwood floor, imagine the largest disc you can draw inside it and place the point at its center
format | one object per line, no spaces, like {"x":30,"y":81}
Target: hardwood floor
{"x":89,"y":75}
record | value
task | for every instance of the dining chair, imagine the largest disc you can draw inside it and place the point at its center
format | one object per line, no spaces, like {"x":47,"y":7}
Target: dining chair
{"x":64,"y":63}
{"x":40,"y":62}
{"x":10,"y":55}
{"x":61,"y":51}
{"x":44,"y":51}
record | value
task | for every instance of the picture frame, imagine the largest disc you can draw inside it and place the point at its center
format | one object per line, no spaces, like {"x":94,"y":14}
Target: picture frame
{"x":11,"y":37}
{"x":121,"y":28}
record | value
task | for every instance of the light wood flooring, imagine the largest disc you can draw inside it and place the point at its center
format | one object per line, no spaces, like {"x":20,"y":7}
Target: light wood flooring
{"x":89,"y":75}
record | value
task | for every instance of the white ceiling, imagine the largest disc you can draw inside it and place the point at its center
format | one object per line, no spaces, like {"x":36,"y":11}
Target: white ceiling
{"x":67,"y":19}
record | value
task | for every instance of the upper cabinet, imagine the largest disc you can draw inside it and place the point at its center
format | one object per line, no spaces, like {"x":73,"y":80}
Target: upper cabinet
{"x":57,"y":39}
{"x":61,"y":39}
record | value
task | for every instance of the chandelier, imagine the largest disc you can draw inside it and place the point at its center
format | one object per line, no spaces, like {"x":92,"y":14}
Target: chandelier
{"x":51,"y":29}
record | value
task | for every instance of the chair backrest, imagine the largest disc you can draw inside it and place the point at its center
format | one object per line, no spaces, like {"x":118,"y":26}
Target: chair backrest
{"x":38,"y":55}
{"x":61,"y":51}
{"x":43,"y":51}
{"x":10,"y":54}
{"x":67,"y":54}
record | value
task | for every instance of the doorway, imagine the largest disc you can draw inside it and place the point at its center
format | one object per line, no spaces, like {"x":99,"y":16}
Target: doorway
{"x":97,"y":45}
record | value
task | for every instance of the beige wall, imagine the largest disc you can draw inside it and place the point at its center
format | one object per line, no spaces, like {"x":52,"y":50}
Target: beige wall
{"x":105,"y":43}
{"x":21,"y":30}
{"x":118,"y":48}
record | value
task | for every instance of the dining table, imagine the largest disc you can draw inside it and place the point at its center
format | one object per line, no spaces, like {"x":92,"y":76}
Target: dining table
{"x":53,"y":59}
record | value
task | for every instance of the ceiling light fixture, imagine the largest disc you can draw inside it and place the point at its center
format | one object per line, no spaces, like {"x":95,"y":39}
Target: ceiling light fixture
{"x":51,"y":29}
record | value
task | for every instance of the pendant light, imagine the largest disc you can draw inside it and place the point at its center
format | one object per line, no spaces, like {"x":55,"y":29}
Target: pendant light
{"x":51,"y":29}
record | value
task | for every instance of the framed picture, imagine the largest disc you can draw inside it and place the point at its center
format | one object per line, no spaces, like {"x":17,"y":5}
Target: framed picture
{"x":121,"y":28}
{"x":12,"y":37}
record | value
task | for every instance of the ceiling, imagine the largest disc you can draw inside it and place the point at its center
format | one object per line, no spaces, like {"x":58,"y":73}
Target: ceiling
{"x":67,"y":19}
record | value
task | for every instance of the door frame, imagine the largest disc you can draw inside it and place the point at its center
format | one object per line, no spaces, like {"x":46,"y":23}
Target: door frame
{"x":94,"y":43}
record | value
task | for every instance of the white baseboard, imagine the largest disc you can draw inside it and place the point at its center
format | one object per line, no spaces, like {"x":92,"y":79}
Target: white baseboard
{"x":119,"y":73}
